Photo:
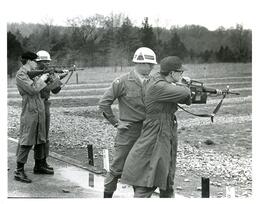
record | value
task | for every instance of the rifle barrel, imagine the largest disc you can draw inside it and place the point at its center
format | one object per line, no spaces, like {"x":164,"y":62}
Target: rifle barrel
{"x":209,"y":90}
{"x":68,"y":67}
{"x":214,"y":91}
{"x":230,"y":92}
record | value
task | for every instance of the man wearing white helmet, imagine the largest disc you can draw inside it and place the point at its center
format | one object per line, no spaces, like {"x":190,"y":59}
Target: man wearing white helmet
{"x":129,"y":91}
{"x":151,"y":162}
{"x":54,"y":86}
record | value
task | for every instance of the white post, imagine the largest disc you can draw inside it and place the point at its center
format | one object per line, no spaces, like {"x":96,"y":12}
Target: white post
{"x":105,"y":159}
{"x":230,"y":192}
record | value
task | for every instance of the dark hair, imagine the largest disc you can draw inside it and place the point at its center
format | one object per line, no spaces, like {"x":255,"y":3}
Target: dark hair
{"x":23,"y":61}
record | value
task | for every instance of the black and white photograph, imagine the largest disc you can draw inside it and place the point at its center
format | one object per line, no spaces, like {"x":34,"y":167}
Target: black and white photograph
{"x":127,"y":99}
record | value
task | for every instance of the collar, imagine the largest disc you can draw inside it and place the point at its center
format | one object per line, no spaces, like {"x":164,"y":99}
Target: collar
{"x":139,"y":76}
{"x":134,"y":77}
{"x":160,"y":77}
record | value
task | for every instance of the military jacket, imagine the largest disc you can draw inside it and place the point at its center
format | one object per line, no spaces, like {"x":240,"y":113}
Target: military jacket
{"x":128,"y":90}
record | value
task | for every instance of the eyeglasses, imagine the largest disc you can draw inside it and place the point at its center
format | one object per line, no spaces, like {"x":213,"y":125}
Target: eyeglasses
{"x":44,"y":61}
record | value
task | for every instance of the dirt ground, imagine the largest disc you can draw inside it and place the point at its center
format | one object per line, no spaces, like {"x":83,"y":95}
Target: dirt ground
{"x":220,"y":151}
{"x":188,"y":182}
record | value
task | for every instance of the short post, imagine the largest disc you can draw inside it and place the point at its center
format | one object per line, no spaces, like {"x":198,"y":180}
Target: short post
{"x":91,"y":179}
{"x":205,"y":187}
{"x":105,"y":159}
{"x":90,"y":154}
{"x":76,"y":78}
{"x":230,"y":192}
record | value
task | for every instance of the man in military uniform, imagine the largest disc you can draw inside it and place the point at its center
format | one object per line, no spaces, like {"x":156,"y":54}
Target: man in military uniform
{"x":128,"y":89}
{"x":54,"y":86}
{"x":151,"y":162}
{"x":32,"y":119}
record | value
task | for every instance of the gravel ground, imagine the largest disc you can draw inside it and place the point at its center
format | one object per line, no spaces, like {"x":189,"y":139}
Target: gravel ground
{"x":72,"y":129}
{"x":221,"y":150}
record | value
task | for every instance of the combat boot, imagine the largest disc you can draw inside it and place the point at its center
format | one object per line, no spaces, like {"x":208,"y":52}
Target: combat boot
{"x":39,"y":168}
{"x":19,"y":174}
{"x":46,"y":164}
{"x":168,"y":193}
{"x":108,"y":194}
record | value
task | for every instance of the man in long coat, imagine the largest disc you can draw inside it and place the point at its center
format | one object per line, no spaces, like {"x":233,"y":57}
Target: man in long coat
{"x":151,"y":162}
{"x":32,"y":119}
{"x":128,"y":90}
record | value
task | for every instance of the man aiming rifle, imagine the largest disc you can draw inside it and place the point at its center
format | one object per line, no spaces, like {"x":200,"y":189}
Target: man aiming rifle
{"x":32,"y":120}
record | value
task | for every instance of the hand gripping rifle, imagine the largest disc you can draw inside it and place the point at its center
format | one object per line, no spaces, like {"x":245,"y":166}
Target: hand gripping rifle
{"x":199,"y":94}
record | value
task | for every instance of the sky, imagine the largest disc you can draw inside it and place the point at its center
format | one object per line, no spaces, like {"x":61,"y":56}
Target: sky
{"x":165,"y":13}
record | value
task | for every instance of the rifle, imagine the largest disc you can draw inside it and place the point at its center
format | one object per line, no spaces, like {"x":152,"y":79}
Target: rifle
{"x":199,"y":94}
{"x":54,"y":69}
{"x":35,"y":73}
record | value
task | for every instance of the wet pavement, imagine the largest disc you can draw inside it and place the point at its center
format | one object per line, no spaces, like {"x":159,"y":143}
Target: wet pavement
{"x":68,"y":181}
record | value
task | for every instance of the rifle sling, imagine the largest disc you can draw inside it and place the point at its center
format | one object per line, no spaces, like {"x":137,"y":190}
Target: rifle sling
{"x":206,"y":115}
{"x":195,"y":114}
{"x":67,"y":79}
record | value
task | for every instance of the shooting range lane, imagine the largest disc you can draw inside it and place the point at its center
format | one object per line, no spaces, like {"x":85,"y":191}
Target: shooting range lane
{"x":83,"y":124}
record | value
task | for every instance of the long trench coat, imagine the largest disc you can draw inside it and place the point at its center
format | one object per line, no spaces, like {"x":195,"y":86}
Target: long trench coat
{"x":152,"y":160}
{"x":32,"y":119}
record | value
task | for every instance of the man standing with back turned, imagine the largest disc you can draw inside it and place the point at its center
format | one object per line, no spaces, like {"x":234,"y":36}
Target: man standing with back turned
{"x":129,"y":91}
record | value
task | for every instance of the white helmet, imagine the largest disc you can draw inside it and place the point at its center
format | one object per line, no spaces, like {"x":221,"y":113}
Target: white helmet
{"x":43,"y":55}
{"x":144,"y":55}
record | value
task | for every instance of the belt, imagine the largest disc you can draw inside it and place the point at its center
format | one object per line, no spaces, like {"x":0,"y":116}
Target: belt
{"x":135,"y":122}
{"x":160,"y":115}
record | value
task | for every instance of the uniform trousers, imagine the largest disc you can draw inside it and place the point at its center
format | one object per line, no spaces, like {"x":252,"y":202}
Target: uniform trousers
{"x":124,"y":141}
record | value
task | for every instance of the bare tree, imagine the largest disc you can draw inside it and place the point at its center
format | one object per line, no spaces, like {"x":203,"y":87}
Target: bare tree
{"x":86,"y":32}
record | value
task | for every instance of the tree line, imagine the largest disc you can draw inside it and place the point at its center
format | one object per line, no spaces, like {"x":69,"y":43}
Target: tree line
{"x":112,"y":40}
